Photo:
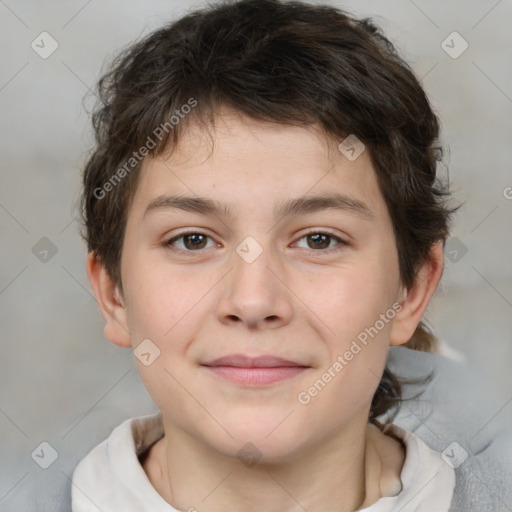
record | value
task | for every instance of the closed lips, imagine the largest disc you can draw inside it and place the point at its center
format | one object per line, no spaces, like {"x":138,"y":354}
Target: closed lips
{"x":241,"y":361}
{"x":254,"y":371}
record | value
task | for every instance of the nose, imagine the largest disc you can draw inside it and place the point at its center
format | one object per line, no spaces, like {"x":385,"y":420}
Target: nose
{"x":255,"y":293}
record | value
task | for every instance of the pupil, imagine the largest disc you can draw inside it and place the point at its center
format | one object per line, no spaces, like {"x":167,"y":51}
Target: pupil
{"x":318,"y":236}
{"x":195,"y":239}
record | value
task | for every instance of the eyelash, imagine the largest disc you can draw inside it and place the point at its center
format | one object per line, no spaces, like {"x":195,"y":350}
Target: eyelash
{"x":341,"y":243}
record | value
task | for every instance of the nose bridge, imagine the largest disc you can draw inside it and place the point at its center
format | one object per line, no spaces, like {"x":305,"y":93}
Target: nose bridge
{"x":254,"y":295}
{"x":251,"y":261}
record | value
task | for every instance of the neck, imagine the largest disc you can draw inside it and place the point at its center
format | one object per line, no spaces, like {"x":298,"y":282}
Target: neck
{"x":350,"y":471}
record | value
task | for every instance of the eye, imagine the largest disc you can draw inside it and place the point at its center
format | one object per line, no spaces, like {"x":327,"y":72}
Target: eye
{"x":192,"y":241}
{"x":322,"y":240}
{"x":195,"y":241}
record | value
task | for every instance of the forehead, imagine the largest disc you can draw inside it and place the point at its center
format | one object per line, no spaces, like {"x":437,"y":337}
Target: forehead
{"x":245,"y":164}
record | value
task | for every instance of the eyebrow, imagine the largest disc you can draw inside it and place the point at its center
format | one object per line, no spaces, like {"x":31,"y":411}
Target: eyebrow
{"x":297,"y":206}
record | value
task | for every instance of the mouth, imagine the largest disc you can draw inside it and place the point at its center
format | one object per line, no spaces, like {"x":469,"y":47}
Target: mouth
{"x":254,"y":371}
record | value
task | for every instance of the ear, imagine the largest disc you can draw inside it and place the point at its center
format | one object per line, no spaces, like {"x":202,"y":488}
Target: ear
{"x":108,"y":298}
{"x":414,"y":302}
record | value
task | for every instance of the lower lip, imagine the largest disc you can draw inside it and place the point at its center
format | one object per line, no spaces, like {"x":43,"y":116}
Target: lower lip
{"x":256,"y":376}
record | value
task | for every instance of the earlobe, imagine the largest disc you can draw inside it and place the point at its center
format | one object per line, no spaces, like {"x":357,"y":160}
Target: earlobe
{"x":414,"y":301}
{"x":109,"y":300}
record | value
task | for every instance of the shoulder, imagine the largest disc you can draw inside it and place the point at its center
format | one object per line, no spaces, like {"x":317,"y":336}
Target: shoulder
{"x":459,"y":414}
{"x":110,"y":476}
{"x":426,"y":481}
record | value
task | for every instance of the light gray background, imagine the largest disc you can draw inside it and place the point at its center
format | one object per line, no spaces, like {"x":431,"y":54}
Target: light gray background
{"x":61,"y":380}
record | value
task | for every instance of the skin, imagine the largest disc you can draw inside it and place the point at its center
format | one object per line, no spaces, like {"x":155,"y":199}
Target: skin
{"x":297,"y":300}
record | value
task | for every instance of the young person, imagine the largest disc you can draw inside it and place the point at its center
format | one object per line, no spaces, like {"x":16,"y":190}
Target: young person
{"x":264,"y":221}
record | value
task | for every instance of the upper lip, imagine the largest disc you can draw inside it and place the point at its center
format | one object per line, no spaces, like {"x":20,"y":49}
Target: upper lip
{"x":242,"y":361}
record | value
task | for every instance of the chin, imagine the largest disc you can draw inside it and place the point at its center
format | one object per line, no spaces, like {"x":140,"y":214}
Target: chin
{"x":268,"y":439}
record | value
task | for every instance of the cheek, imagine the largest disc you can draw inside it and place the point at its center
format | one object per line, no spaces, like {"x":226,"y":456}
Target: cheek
{"x":356,"y":352}
{"x":357,"y":338}
{"x":350,"y":299}
{"x":161,"y":298}
{"x":162,"y":309}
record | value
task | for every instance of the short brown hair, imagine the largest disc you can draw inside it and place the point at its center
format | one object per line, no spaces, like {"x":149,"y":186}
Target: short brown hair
{"x":279,"y":61}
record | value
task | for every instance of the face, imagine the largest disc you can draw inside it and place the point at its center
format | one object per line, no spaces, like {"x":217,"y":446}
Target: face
{"x":263,"y":275}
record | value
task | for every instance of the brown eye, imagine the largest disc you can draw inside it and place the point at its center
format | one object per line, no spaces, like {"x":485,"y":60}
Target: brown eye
{"x":318,"y":241}
{"x":189,"y":241}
